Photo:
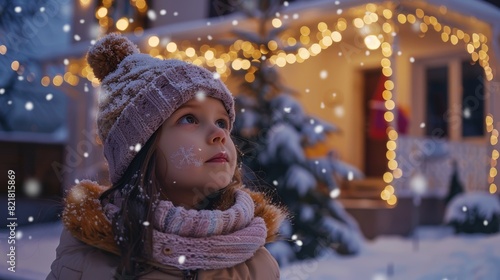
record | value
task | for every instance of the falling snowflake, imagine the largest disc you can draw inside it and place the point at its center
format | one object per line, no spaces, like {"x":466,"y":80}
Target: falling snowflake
{"x":467,"y":112}
{"x":412,"y":59}
{"x":335,"y":193}
{"x":216,"y":76}
{"x":235,"y":22}
{"x":422,"y":125}
{"x":185,"y":157}
{"x":163,"y":12}
{"x":30,"y":219}
{"x":176,"y":14}
{"x":29,"y":106}
{"x":323,"y":74}
{"x":318,"y":129}
{"x":66,"y":28}
{"x":152,"y":15}
{"x":86,"y":154}
{"x":18,"y":9}
{"x":350,"y":175}
{"x":182,"y":259}
{"x":2,"y":90}
{"x":275,"y":182}
{"x":137,"y":147}
{"x":145,"y":223}
{"x":201,"y":95}
{"x":339,"y":111}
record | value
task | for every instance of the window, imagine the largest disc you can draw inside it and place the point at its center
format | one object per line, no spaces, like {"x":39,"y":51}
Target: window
{"x":472,"y":99}
{"x":453,"y":94}
{"x":437,"y":101}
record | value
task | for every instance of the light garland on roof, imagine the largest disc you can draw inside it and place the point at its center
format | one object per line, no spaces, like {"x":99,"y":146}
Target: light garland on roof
{"x":226,"y":59}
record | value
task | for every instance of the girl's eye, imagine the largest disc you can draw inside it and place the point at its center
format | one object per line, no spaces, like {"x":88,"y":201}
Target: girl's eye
{"x":222,"y":124}
{"x":187,"y":119}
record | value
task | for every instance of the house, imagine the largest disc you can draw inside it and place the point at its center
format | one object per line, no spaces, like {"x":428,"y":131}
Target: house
{"x":410,"y":84}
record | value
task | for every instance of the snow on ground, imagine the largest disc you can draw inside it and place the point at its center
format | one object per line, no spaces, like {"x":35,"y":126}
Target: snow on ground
{"x":440,"y":255}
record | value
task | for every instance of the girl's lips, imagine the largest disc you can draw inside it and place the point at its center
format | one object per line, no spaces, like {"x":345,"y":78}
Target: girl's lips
{"x":220,"y":157}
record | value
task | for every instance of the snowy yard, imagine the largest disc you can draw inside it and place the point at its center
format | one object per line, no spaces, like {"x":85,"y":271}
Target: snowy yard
{"x":441,"y":255}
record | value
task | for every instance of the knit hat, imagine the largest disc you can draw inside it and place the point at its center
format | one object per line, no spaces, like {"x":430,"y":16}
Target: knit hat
{"x":139,"y":93}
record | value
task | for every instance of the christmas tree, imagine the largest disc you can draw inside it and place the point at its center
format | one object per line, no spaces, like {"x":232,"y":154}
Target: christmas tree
{"x":273,"y":132}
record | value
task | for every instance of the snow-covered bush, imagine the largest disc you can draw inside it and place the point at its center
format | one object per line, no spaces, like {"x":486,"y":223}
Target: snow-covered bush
{"x":475,"y":212}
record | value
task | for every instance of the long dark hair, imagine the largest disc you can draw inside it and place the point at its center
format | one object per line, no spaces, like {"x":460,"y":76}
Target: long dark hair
{"x":136,"y":194}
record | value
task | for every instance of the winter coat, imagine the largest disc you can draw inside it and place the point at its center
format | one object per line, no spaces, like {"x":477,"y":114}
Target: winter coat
{"x":87,"y":249}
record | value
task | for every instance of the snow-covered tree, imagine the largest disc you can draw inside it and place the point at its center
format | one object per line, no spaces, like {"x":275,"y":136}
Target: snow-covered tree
{"x":273,"y":131}
{"x":28,"y":31}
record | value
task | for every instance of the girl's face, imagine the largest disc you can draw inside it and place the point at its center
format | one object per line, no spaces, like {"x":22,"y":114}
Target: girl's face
{"x":197,"y":155}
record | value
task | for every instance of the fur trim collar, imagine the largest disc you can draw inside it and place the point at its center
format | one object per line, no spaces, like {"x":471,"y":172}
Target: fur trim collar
{"x":84,"y":217}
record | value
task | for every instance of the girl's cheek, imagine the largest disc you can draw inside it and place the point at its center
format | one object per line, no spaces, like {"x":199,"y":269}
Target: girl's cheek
{"x":185,"y":156}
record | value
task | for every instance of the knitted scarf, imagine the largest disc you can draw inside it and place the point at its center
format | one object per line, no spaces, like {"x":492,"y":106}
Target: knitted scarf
{"x":205,"y":239}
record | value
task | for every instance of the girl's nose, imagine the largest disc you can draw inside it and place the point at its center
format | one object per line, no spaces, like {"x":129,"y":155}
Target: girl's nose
{"x":217,"y":134}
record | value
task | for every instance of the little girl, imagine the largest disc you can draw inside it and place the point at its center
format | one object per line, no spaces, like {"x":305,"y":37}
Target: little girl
{"x":176,"y":208}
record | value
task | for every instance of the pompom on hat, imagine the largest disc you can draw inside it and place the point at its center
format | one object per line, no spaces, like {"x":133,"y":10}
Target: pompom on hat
{"x":139,"y":93}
